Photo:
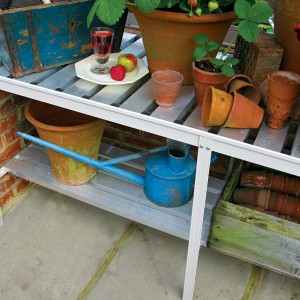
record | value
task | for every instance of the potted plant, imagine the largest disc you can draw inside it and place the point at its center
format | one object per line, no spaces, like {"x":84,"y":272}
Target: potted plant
{"x":209,"y":70}
{"x":168,"y":27}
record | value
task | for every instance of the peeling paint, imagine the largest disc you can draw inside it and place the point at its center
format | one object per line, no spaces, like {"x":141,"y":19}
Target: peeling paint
{"x":85,"y":48}
{"x":24,"y":32}
{"x":21,"y":42}
{"x":53,"y":28}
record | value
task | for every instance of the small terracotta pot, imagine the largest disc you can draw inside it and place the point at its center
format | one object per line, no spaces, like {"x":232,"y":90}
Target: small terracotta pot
{"x":203,"y":79}
{"x":216,"y":107}
{"x":72,"y":130}
{"x":166,"y":86}
{"x":278,"y":111}
{"x":244,"y":113}
{"x":283,"y":85}
{"x":253,"y":196}
{"x":255,"y":178}
{"x":244,"y":88}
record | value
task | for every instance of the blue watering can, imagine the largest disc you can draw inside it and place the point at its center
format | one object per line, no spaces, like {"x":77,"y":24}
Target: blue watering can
{"x":169,"y":170}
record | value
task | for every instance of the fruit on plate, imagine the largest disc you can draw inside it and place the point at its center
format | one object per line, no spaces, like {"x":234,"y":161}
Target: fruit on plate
{"x":117,"y":73}
{"x":129,"y":61}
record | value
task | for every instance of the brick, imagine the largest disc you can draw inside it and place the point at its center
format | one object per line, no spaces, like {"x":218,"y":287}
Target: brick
{"x":6,"y":197}
{"x":6,"y":183}
{"x":10,"y":151}
{"x":140,"y":143}
{"x":22,"y":185}
{"x":123,"y":128}
{"x":154,"y":137}
{"x":7,"y":107}
{"x":8,"y":121}
{"x":3,"y":94}
{"x":10,"y":135}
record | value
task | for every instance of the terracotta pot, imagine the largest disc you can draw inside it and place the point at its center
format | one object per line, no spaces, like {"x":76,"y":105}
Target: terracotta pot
{"x":216,"y":107}
{"x":166,"y":87}
{"x":278,"y":111}
{"x":283,"y":85}
{"x":203,"y":79}
{"x":241,"y":77}
{"x":168,"y":37}
{"x":244,"y":88}
{"x":253,"y":196}
{"x":244,"y":113}
{"x":286,"y":17}
{"x":69,"y":129}
{"x":277,"y":182}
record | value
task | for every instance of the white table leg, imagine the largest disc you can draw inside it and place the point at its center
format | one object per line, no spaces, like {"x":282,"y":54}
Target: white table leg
{"x":201,"y":181}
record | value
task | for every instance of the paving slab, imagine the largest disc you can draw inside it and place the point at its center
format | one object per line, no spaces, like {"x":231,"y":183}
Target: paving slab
{"x":151,"y":265}
{"x":51,"y":246}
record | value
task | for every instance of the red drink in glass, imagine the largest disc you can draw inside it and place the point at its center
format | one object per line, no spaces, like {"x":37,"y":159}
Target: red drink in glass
{"x":101,"y":38}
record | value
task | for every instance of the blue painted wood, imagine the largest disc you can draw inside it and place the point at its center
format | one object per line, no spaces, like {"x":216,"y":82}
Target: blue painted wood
{"x":45,"y":36}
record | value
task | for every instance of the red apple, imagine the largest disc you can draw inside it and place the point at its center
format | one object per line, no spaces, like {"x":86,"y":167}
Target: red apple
{"x":117,"y":73}
{"x":129,"y":61}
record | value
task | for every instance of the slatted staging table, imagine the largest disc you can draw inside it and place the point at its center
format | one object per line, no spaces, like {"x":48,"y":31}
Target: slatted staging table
{"x":133,"y":105}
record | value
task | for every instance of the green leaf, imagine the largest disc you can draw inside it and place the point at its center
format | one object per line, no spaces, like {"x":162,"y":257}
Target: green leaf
{"x":218,"y":62}
{"x":199,"y":52}
{"x":242,"y":9}
{"x":227,"y":70}
{"x":211,"y":46}
{"x":232,"y":61}
{"x":145,"y":6}
{"x":109,"y":11}
{"x":92,"y":13}
{"x":260,"y":13}
{"x":249,"y":31}
{"x":201,"y":39}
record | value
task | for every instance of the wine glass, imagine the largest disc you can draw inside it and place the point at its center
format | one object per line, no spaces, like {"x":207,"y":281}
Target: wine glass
{"x":101,"y":38}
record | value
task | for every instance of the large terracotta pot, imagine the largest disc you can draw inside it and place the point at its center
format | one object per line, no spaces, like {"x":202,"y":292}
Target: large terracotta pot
{"x":75,"y":131}
{"x":286,"y":17}
{"x":169,"y":37}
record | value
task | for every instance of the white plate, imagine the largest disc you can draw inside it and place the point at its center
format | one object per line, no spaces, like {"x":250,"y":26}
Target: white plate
{"x":83,"y":70}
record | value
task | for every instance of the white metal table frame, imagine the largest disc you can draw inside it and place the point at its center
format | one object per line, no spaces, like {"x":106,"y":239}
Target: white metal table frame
{"x":266,"y":149}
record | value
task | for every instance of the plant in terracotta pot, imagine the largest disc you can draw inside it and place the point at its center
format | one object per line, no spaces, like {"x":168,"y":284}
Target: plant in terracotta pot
{"x":209,"y":70}
{"x":168,"y":27}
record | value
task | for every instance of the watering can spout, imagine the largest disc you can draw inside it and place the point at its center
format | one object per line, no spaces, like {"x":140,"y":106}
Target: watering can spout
{"x":177,"y":156}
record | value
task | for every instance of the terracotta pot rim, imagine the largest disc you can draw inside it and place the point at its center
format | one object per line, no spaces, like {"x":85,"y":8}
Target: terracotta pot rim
{"x":178,"y":75}
{"x":44,"y":126}
{"x":183,"y":17}
{"x":202,"y":73}
{"x":285,"y":75}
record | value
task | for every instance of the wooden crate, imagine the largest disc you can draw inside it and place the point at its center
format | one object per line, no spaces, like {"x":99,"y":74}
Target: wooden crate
{"x":259,"y":58}
{"x":253,"y":236}
{"x":40,"y":37}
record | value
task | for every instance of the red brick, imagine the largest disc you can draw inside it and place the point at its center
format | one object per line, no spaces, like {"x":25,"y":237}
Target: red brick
{"x":110,"y":135}
{"x":10,"y":151}
{"x":10,"y":135}
{"x":7,"y":107}
{"x":141,"y":143}
{"x":8,"y":121}
{"x":154,"y":137}
{"x":21,"y":185}
{"x":6,"y":197}
{"x":3,"y":94}
{"x":125,"y":129}
{"x":6,"y":183}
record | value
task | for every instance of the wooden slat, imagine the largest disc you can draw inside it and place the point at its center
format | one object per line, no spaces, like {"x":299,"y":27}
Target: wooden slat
{"x":272,"y":139}
{"x":61,"y":78}
{"x":128,"y":39}
{"x":83,"y":88}
{"x":194,"y":120}
{"x":234,"y":133}
{"x":296,"y":144}
{"x":36,"y":78}
{"x":182,"y":105}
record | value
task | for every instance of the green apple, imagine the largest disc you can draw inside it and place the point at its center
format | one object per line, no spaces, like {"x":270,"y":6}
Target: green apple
{"x":129,"y":61}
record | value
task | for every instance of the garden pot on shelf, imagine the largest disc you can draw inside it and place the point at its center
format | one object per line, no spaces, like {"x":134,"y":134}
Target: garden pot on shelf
{"x":75,"y":131}
{"x":203,"y":79}
{"x":216,"y":107}
{"x":244,"y":113}
{"x":286,"y":18}
{"x":169,"y":37}
{"x":244,"y":87}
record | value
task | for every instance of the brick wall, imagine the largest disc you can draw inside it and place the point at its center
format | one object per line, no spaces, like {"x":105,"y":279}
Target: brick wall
{"x":11,"y":119}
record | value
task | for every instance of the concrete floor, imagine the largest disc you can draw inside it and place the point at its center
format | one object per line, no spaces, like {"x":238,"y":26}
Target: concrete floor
{"x":55,"y":247}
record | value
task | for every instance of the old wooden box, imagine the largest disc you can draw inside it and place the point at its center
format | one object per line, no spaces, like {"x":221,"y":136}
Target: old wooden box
{"x":40,"y":37}
{"x":253,"y":236}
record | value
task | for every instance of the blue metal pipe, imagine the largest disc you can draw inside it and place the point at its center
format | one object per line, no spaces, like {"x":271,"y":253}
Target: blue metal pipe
{"x":91,"y":161}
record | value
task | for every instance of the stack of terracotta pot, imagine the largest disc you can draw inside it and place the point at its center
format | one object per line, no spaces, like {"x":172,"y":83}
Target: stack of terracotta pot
{"x":272,"y":193}
{"x":236,"y":107}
